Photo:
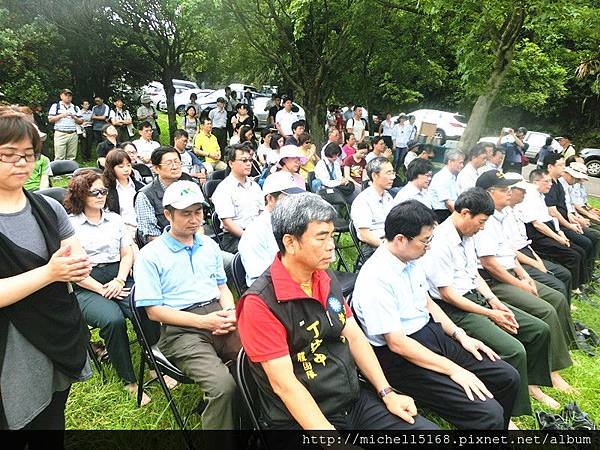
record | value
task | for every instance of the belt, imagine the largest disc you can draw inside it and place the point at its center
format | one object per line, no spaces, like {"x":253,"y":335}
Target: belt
{"x":67,"y":132}
{"x":106,"y":264}
{"x":199,"y":305}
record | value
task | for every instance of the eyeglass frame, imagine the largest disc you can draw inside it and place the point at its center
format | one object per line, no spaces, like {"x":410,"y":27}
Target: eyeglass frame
{"x":21,"y":156}
{"x":97,"y":193}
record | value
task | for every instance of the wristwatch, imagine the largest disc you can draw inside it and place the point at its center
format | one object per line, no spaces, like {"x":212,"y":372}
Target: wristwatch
{"x":385,"y":391}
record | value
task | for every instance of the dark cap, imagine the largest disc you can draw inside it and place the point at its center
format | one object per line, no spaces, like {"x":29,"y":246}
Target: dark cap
{"x":493,"y":178}
{"x":66,"y":91}
{"x":221,"y":100}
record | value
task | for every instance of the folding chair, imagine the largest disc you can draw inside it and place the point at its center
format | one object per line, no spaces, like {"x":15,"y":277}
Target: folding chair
{"x":148,"y":333}
{"x":217,"y":228}
{"x":340,"y":223}
{"x":57,"y":193}
{"x":84,"y":169}
{"x":62,"y":167}
{"x":144,"y":171}
{"x":217,"y":175}
{"x":239,"y":274}
{"x":361,"y":258}
{"x":249,"y":392}
{"x":347,"y":281}
{"x":209,"y":188}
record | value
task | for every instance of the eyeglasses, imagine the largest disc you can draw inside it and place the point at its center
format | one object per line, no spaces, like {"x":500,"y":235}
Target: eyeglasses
{"x":174,"y":163}
{"x":426,"y":242}
{"x":244,"y":160}
{"x":16,"y":157}
{"x":98,"y":192}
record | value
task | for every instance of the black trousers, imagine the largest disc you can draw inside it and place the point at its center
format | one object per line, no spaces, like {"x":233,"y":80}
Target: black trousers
{"x":439,"y":393}
{"x":370,"y":413}
{"x":587,"y":243}
{"x":572,"y":257}
{"x":557,"y":277}
{"x":221,"y":135}
{"x":51,"y":418}
{"x":86,"y":144}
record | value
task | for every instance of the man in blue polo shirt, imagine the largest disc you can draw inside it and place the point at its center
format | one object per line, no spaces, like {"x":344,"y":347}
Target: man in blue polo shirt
{"x":181,"y":281}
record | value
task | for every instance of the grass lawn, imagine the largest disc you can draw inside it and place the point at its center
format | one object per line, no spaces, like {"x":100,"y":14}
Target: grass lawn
{"x":99,"y":405}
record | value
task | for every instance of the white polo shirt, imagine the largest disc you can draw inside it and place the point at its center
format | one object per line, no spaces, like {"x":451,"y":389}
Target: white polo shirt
{"x":390,"y":295}
{"x":369,"y":210}
{"x":491,"y":241}
{"x":241,"y":202}
{"x":533,"y":207}
{"x":466,"y":178}
{"x":443,"y":187}
{"x":451,"y":261}
{"x":411,"y":192}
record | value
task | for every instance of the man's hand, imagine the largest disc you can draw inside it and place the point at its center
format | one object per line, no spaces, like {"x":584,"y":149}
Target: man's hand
{"x":65,"y":267}
{"x":564,"y":239}
{"x":221,"y":322}
{"x":503,"y":316}
{"x":473,"y":346}
{"x":402,"y":406}
{"x":539,"y":265}
{"x":471,"y":384}
{"x":526,"y":286}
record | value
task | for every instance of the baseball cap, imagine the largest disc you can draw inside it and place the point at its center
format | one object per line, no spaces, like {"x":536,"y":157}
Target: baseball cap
{"x":280,"y":182}
{"x":66,"y":91}
{"x":182,"y":194}
{"x":291,"y":151}
{"x":494,"y":178}
{"x":575,"y":170}
{"x":520,"y":184}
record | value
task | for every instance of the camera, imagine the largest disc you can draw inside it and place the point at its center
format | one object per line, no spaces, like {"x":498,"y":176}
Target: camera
{"x":506,"y":130}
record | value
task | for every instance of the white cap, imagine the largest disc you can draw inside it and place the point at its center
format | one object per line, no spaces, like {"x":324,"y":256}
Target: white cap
{"x":280,"y":182}
{"x":576,"y":173}
{"x":521,"y":184}
{"x":291,"y":151}
{"x":182,"y":194}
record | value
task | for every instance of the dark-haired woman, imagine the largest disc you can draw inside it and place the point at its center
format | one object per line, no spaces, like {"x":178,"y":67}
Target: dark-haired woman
{"x":122,"y":187}
{"x":43,"y":336}
{"x":190,"y":122}
{"x":103,"y":295}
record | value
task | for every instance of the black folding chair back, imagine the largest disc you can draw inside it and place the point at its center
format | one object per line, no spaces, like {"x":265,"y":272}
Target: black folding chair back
{"x":63,"y":167}
{"x":216,"y":227}
{"x":239,"y":274}
{"x":57,"y":193}
{"x":145,"y":172}
{"x":209,"y":188}
{"x":248,"y":389}
{"x":217,"y":175}
{"x":361,"y":258}
{"x":148,"y":333}
{"x":340,"y":223}
{"x":347,"y":281}
{"x":84,"y":169}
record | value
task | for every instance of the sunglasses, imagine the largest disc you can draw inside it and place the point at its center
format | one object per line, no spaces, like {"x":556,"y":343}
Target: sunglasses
{"x":98,"y":192}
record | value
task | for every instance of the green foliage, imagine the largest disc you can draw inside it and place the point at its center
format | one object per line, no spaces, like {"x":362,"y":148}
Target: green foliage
{"x":533,"y":78}
{"x":28,"y":76}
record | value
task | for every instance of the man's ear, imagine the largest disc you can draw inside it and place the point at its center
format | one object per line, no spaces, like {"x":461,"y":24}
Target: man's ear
{"x":168,"y":215}
{"x":289,"y":243}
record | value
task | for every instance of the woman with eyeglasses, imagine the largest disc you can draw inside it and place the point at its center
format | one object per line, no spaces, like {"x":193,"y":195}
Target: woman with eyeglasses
{"x":43,"y":336}
{"x":103,"y":296}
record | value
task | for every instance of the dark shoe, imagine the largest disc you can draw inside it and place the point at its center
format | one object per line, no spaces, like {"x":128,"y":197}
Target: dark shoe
{"x":547,"y":421}
{"x":576,"y":418}
{"x":100,"y":351}
{"x":583,"y":345}
{"x":590,"y":335}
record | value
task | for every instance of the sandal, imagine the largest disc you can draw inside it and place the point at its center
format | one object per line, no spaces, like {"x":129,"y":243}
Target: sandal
{"x":100,"y":351}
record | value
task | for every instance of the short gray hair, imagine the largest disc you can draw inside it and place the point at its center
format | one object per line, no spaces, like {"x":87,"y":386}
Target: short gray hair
{"x":293,"y":213}
{"x":453,"y":154}
{"x":374,"y":166}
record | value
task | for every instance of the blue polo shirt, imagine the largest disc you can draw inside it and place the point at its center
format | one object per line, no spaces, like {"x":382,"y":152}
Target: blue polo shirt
{"x":170,"y":273}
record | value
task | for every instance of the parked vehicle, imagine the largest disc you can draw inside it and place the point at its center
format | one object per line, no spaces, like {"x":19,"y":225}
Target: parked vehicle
{"x":156,"y":91}
{"x":183,"y":98}
{"x":209,"y":102}
{"x":450,"y":125}
{"x":591,"y":158}
{"x":536,"y":141}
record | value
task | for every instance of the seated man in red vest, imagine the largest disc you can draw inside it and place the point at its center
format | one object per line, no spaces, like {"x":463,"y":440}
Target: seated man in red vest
{"x":304,"y":345}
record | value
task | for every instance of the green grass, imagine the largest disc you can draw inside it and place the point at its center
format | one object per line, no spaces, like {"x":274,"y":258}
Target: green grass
{"x":98,"y":405}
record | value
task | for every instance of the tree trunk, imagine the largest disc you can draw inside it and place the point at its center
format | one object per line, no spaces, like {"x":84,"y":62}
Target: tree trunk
{"x":167,"y":81}
{"x":503,"y":58}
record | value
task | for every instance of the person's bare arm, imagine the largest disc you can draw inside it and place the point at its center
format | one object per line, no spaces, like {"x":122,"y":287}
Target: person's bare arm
{"x":368,"y":237}
{"x":561,"y":220}
{"x":528,"y":261}
{"x":231,"y":227}
{"x":294,"y":395}
{"x":547,"y":231}
{"x":495,"y":269}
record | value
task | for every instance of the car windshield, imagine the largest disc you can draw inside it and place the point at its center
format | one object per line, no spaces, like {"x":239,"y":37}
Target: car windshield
{"x":460,"y":118}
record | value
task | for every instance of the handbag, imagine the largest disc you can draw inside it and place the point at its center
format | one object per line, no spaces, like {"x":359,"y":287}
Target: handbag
{"x":346,"y":189}
{"x":524,"y":160}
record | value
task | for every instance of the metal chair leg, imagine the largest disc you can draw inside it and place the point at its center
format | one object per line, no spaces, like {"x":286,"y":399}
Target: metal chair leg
{"x":95,"y":360}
